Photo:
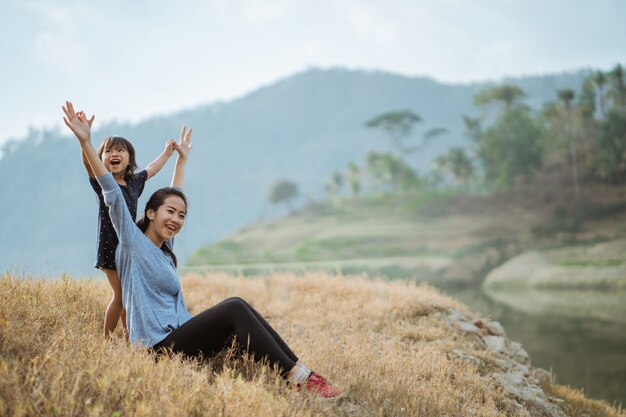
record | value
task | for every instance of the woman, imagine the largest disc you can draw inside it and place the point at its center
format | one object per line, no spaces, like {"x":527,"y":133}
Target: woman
{"x":155,"y":310}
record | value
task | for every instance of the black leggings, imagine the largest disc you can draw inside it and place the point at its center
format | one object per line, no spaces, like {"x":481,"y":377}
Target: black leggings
{"x":212,"y":330}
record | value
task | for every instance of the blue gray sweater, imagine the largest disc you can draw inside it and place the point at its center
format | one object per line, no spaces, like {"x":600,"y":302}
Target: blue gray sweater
{"x":151,"y":290}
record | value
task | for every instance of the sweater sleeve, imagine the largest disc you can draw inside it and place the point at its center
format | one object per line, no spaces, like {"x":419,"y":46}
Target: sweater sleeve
{"x":118,"y":210}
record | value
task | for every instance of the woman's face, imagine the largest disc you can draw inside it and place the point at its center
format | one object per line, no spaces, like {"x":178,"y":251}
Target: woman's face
{"x":169,"y":218}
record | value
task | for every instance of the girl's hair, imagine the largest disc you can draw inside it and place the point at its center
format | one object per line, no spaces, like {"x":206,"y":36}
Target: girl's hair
{"x":111,"y":141}
{"x":157,"y":200}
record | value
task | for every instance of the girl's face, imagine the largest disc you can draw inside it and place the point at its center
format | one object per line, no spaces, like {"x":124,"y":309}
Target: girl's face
{"x":116,"y":159}
{"x":169,"y":218}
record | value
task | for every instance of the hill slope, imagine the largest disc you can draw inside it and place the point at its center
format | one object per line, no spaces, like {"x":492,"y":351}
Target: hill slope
{"x":395,"y":349}
{"x":441,"y":237}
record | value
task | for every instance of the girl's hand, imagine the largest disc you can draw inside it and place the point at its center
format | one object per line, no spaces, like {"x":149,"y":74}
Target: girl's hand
{"x":170,"y":147}
{"x":77,"y":122}
{"x":184,"y":144}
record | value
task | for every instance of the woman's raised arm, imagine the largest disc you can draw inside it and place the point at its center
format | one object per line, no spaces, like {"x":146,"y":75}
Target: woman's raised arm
{"x":118,"y":210}
{"x":183,"y":148}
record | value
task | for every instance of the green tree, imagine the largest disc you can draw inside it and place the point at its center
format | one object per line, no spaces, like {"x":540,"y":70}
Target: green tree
{"x":611,"y":149}
{"x":587,"y":102}
{"x":399,"y":126}
{"x":334,"y":184}
{"x":571,"y":129}
{"x":599,"y":80}
{"x":458,"y":164}
{"x":390,"y":172}
{"x":506,"y":96}
{"x":283,"y":191}
{"x":353,"y":178}
{"x":473,"y":128}
{"x":566,"y":97}
{"x":511,"y":147}
{"x":617,"y":93}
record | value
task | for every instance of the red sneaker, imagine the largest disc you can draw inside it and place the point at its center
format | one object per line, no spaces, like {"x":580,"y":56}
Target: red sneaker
{"x":317,"y":384}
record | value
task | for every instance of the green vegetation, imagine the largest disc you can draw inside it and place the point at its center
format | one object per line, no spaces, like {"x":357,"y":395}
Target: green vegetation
{"x":595,"y":266}
{"x":513,"y":144}
{"x":283,"y":191}
{"x":534,"y":180}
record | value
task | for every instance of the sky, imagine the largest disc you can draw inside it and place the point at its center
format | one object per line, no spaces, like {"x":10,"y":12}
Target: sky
{"x":128,"y":60}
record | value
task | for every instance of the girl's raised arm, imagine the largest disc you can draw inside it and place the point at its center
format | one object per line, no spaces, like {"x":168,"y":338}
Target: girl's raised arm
{"x":155,"y":166}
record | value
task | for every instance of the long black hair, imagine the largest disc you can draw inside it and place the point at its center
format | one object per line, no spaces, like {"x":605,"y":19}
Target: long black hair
{"x":157,"y":199}
{"x":111,"y":141}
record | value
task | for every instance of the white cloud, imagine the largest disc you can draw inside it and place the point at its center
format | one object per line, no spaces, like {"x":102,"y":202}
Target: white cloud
{"x":59,"y":44}
{"x":369,"y":24}
{"x":258,"y":12}
{"x":134,"y":59}
{"x":61,"y":50}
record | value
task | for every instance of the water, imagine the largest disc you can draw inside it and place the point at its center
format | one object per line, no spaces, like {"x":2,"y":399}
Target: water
{"x":583,"y":353}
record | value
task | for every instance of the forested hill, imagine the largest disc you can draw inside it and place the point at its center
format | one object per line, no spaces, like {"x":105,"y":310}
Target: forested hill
{"x":301,"y":128}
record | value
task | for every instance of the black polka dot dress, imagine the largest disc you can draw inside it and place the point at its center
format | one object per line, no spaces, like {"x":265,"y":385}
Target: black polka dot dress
{"x":107,"y":238}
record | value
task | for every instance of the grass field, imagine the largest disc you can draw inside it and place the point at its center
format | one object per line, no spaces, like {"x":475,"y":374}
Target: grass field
{"x":382,"y":342}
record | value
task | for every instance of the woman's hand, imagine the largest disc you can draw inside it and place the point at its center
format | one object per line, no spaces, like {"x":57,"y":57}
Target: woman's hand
{"x":184,"y":144}
{"x":77,"y":122}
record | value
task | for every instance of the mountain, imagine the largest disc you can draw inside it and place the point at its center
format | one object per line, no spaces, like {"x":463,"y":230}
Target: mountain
{"x":302,"y":128}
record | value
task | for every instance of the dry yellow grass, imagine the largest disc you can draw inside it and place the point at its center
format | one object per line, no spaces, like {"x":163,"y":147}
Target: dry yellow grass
{"x":378,"y":340}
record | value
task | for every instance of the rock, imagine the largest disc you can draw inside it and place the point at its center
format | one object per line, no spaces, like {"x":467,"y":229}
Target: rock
{"x":513,"y":408}
{"x":522,"y":370}
{"x":519,"y":380}
{"x":491,"y":328}
{"x":496,"y":344}
{"x":469,"y":328}
{"x":542,"y":376}
{"x":495,"y":328}
{"x":530,"y":395}
{"x":455,"y":316}
{"x":516,"y":385}
{"x":459,"y":354}
{"x":518,"y":353}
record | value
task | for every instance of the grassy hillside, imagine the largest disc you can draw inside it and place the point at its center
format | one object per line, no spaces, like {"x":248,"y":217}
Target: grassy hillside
{"x":446,"y":238}
{"x":394,"y":347}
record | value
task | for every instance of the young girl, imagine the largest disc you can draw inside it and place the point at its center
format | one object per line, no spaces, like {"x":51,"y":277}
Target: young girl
{"x":118,"y":156}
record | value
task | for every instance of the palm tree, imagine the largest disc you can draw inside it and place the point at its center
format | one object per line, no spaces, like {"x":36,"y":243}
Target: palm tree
{"x":618,"y":91}
{"x":507,"y":95}
{"x":473,"y":128}
{"x":457,"y":163}
{"x":334,"y":184}
{"x":566,"y":96}
{"x":599,"y":80}
{"x":399,"y":125}
{"x":353,"y":178}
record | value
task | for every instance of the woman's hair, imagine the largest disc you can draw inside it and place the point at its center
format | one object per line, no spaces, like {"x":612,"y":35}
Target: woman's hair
{"x":111,"y":141}
{"x":157,"y":200}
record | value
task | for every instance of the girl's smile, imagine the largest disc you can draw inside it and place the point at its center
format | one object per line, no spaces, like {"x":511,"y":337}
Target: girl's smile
{"x":116,"y":160}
